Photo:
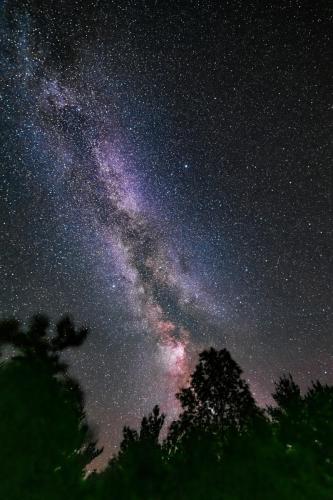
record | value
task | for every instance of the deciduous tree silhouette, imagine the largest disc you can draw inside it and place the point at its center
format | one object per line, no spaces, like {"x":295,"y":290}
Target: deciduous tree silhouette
{"x":217,"y":400}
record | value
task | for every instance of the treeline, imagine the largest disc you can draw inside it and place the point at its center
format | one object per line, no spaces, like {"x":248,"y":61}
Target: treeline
{"x":222,"y":446}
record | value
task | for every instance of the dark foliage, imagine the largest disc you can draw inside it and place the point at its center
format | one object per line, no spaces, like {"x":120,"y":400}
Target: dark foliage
{"x":221,"y":447}
{"x":139,"y":467}
{"x":37,"y":341}
{"x":45,"y":441}
{"x":218,"y":401}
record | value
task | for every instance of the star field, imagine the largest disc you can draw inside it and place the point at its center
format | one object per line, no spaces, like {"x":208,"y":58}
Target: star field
{"x":166,"y":179}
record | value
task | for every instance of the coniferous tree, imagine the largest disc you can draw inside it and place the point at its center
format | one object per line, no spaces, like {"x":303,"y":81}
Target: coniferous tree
{"x":138,"y":470}
{"x":45,"y":440}
{"x":304,"y":427}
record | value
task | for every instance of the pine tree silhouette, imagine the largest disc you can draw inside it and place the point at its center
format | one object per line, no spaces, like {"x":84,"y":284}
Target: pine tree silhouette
{"x":138,"y":471}
{"x":45,"y":440}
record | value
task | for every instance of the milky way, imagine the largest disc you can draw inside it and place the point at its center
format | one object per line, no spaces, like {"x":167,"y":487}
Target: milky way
{"x":98,"y":177}
{"x":165,"y":179}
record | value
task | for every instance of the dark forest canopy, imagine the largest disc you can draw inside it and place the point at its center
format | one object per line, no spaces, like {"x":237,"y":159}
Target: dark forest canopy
{"x":222,"y":446}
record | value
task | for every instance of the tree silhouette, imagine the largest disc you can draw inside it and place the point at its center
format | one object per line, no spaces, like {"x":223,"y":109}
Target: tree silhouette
{"x":218,"y":400}
{"x":37,"y":341}
{"x":149,"y":431}
{"x":222,"y":446}
{"x":304,"y":426}
{"x":45,"y":440}
{"x":287,"y":395}
{"x":138,"y":470}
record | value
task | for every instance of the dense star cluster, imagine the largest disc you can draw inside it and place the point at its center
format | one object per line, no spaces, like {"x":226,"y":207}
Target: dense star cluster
{"x":165,"y":178}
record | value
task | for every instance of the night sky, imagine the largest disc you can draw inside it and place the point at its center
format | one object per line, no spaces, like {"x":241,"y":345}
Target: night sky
{"x":165,"y":178}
